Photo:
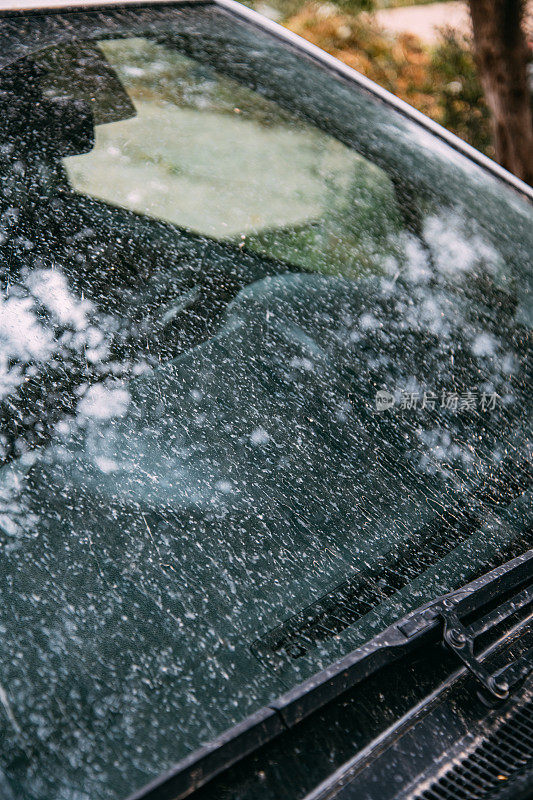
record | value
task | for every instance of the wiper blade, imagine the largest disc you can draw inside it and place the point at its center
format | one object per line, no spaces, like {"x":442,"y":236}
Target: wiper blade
{"x":443,"y":618}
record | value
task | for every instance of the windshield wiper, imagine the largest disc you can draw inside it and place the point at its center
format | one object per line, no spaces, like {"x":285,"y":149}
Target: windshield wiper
{"x":428,"y":623}
{"x":451,"y":618}
{"x":461,"y":638}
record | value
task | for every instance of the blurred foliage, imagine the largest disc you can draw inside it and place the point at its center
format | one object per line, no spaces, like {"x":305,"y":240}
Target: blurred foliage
{"x":440,"y":81}
{"x":460,"y":97}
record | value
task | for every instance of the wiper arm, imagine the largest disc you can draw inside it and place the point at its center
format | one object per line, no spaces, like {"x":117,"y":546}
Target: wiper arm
{"x":461,"y":638}
{"x":443,"y":618}
{"x":422,"y":626}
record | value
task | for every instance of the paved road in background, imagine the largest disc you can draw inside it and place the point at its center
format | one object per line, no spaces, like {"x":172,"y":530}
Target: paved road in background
{"x":425,"y":21}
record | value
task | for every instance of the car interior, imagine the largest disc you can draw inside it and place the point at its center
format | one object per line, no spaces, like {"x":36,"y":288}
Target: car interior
{"x":104,"y":248}
{"x":160,"y":288}
{"x":107,"y":252}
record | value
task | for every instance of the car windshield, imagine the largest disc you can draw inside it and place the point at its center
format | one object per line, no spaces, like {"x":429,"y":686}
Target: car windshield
{"x":264,"y":382}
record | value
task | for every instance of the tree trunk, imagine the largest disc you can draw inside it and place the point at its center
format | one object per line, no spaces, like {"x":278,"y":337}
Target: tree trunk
{"x":501,"y":53}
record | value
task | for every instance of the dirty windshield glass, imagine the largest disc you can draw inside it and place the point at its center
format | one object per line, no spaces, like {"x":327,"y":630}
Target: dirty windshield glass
{"x":264,"y":384}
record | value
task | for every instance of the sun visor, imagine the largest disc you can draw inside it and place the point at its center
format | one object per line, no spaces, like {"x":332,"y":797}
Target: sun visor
{"x":51,"y":102}
{"x":81,"y":72}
